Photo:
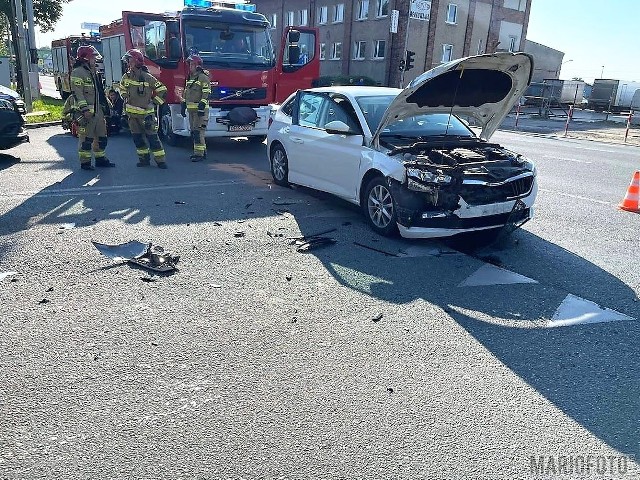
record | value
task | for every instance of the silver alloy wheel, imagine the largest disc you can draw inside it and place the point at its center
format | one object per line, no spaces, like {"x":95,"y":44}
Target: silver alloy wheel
{"x":278,"y":164}
{"x":380,"y":205}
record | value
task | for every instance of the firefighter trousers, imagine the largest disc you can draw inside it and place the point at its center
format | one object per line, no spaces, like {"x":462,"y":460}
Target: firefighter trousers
{"x":92,"y":136}
{"x":198,"y":126}
{"x":144,"y":131}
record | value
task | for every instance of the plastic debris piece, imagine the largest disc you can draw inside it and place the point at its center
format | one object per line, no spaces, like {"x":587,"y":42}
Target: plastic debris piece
{"x":287,"y":201}
{"x":304,"y":238}
{"x":315,"y":243}
{"x":239,"y":234}
{"x":4,"y":275}
{"x":179,"y":202}
{"x":66,"y":226}
{"x":124,"y":251}
{"x":377,"y":318}
{"x":156,"y":259}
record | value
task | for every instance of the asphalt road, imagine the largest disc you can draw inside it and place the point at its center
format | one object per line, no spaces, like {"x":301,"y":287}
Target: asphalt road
{"x":255,"y":361}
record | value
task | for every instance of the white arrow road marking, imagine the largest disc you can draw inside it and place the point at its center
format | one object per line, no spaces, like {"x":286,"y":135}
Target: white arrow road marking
{"x":577,"y":311}
{"x":491,"y":275}
{"x":4,"y":275}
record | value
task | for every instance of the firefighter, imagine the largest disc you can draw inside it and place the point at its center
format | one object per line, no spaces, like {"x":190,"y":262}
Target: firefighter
{"x":141,"y":92}
{"x":91,"y":102}
{"x":196,"y":102}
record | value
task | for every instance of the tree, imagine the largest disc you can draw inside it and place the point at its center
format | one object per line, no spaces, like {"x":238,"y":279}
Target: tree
{"x":46,"y":13}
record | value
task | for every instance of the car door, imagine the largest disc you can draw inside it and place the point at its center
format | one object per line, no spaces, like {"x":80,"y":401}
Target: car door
{"x":318,"y":159}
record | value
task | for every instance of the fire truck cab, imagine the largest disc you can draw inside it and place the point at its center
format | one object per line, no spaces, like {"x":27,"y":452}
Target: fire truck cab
{"x":63,"y":54}
{"x":247,"y":75}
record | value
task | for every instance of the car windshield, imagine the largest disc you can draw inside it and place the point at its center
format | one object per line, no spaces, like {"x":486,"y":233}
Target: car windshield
{"x":425,"y":125}
{"x":230,"y":46}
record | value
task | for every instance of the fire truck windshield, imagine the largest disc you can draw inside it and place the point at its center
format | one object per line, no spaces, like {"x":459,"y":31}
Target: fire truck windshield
{"x":229,"y":45}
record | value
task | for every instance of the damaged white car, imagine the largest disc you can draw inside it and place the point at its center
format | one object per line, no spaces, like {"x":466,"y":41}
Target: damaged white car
{"x":406,"y":156}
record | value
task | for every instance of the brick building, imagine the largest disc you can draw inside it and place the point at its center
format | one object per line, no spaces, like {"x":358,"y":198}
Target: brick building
{"x":356,"y":40}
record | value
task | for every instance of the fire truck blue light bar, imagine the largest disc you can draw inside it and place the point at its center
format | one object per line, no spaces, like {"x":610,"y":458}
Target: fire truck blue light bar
{"x":246,"y":7}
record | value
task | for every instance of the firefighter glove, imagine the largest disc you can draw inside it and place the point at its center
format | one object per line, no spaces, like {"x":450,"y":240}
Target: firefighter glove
{"x":201,"y":107}
{"x":148,"y":122}
{"x":183,"y":109}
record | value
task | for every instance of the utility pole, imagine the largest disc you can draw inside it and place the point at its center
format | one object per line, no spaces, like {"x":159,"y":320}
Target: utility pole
{"x":33,"y":50}
{"x":21,"y":54}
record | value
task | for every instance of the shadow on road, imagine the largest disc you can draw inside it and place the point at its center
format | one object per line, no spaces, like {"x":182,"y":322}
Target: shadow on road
{"x":7,"y":160}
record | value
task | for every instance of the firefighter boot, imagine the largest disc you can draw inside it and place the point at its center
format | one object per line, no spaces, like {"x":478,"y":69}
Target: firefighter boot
{"x":144,"y":160}
{"x":104,"y":162}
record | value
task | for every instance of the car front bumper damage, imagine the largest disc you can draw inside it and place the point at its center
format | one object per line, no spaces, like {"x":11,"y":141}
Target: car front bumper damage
{"x":443,"y":212}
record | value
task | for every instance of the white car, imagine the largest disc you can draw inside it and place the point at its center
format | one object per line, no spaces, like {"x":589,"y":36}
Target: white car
{"x":405,"y":156}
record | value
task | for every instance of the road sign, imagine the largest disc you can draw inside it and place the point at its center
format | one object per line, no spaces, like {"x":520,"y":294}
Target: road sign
{"x":395,"y":15}
{"x":420,"y":9}
{"x":92,"y":27}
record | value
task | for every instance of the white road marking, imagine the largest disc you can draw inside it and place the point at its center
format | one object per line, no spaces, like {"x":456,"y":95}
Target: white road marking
{"x":491,"y":275}
{"x":63,"y":192}
{"x":567,"y":159}
{"x":578,"y":311}
{"x":578,"y":197}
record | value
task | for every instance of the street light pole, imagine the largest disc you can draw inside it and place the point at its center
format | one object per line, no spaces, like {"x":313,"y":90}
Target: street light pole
{"x":602,"y":72}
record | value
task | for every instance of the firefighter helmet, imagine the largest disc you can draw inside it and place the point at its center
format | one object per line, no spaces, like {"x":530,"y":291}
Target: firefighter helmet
{"x":85,"y":52}
{"x":195,"y":59}
{"x":136,"y":55}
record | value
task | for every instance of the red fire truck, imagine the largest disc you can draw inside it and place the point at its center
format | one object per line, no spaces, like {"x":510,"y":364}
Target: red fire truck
{"x":63,"y":53}
{"x":247,"y":75}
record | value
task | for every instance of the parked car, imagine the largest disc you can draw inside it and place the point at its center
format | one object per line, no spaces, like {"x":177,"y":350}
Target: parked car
{"x":12,"y":130}
{"x":406,"y":156}
{"x":14,"y":98}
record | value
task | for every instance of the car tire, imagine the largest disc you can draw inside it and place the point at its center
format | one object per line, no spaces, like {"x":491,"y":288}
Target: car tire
{"x":279,"y":165}
{"x":379,"y":207}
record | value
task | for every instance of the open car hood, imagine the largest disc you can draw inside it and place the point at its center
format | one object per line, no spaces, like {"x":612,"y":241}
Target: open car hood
{"x":484,"y":87}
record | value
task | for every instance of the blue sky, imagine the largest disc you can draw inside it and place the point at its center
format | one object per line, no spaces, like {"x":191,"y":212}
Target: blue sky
{"x":591,"y":33}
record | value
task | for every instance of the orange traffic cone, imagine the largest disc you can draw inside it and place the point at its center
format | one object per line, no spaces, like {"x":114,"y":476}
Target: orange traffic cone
{"x":631,"y":202}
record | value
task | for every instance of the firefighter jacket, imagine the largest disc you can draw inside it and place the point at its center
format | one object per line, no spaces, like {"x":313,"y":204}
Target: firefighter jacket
{"x":197,"y":90}
{"x":140,"y":91}
{"x":87,"y":89}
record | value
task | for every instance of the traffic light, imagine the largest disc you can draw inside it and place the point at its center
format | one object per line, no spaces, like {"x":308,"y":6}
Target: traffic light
{"x":401,"y":66}
{"x":408,"y":63}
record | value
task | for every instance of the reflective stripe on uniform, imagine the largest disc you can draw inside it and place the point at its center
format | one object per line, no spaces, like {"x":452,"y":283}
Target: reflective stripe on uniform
{"x":192,"y":105}
{"x":160,"y":88}
{"x":84,"y":154}
{"x":199,"y":148}
{"x":158,"y":100}
{"x":139,"y":110}
{"x":142,"y":151}
{"x":99,"y":153}
{"x":127,"y":81}
{"x":158,"y":153}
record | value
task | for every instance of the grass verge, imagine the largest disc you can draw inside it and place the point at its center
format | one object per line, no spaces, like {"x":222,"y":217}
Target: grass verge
{"x":52,"y":106}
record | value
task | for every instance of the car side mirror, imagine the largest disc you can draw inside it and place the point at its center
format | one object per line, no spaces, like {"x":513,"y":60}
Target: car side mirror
{"x":340,"y":128}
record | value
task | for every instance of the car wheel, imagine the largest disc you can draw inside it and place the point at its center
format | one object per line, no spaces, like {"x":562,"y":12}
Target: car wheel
{"x":379,"y":207}
{"x":279,"y":165}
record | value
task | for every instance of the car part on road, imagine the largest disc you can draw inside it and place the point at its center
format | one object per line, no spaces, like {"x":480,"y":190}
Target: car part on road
{"x":376,"y":250}
{"x":145,"y":255}
{"x":4,"y":275}
{"x":303,"y":238}
{"x":313,"y":243}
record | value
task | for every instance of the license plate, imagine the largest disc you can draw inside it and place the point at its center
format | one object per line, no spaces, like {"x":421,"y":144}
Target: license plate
{"x":240,"y":128}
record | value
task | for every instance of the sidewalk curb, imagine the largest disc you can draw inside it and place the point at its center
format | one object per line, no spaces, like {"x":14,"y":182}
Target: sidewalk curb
{"x":43,"y":124}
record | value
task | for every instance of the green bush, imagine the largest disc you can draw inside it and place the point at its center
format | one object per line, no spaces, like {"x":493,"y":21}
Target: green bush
{"x":329,"y":80}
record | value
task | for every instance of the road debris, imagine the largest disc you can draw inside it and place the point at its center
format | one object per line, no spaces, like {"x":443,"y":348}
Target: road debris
{"x":148,"y":279}
{"x":66,"y":226}
{"x":390,"y":390}
{"x":43,"y":301}
{"x":145,"y":255}
{"x":179,"y":202}
{"x":239,"y":234}
{"x":377,"y":318}
{"x":313,"y":243}
{"x":389,"y":254}
{"x":287,"y":201}
{"x":289,"y":278}
{"x":217,"y":224}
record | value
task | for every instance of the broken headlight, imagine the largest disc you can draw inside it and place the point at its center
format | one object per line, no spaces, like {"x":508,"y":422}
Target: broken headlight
{"x":428,"y":177}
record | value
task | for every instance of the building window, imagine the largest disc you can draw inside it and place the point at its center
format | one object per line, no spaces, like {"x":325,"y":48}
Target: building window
{"x":447,"y":53}
{"x":363,"y":9}
{"x":338,"y":13}
{"x":513,"y":43}
{"x":322,"y":15}
{"x":290,"y":19}
{"x":336,"y":51}
{"x":383,"y":8}
{"x":380,"y":47}
{"x":359,"y":49}
{"x":303,"y":17}
{"x":273,"y":20}
{"x":452,"y":13}
{"x":323,"y":51}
